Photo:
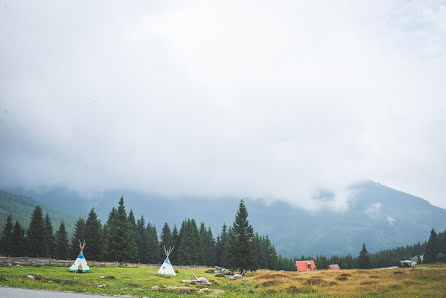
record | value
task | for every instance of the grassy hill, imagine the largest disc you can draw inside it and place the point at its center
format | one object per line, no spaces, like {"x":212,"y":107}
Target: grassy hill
{"x":21,"y":208}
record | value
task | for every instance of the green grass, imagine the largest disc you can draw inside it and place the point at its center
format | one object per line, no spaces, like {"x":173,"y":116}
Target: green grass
{"x":116,"y":281}
{"x":420,"y":281}
{"x":436,"y":265}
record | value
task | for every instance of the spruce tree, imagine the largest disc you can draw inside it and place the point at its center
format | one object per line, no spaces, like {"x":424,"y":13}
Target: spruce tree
{"x":364,"y":258}
{"x":189,"y":243}
{"x":132,"y":220}
{"x":175,"y":243}
{"x":121,"y":245}
{"x":221,"y":244}
{"x":49,"y":236}
{"x":36,"y":233}
{"x":93,"y":236}
{"x":6,"y":237}
{"x":153,"y":247}
{"x":201,"y":248}
{"x":61,"y":245}
{"x":210,"y":248}
{"x":208,"y":245}
{"x":228,"y":248}
{"x":166,"y":237}
{"x":432,"y":249}
{"x":141,"y":241}
{"x":18,"y":240}
{"x":105,"y":253}
{"x":79,"y":235}
{"x":241,"y":252}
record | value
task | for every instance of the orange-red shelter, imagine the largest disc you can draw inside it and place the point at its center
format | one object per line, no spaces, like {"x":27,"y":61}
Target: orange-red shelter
{"x":305,"y":265}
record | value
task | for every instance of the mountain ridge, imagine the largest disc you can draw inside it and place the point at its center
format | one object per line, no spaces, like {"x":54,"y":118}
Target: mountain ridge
{"x":378,"y":215}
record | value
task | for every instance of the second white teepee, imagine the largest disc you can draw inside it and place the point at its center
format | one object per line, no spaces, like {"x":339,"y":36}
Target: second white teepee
{"x":166,"y":268}
{"x":80,"y":265}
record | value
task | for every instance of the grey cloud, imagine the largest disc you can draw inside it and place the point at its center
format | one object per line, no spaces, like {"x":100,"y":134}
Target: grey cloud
{"x":249,"y":99}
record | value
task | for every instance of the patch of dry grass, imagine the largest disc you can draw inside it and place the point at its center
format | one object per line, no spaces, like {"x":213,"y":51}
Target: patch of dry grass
{"x":390,"y":282}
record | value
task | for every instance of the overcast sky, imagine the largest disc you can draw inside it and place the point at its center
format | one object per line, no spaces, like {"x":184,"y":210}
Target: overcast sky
{"x":270,"y":99}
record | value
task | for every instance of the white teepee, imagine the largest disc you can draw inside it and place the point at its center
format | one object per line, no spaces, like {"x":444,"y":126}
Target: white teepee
{"x":166,"y":268}
{"x":80,"y":265}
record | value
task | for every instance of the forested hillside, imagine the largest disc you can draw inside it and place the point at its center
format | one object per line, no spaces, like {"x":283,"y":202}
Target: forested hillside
{"x":21,"y":207}
{"x":380,"y":216}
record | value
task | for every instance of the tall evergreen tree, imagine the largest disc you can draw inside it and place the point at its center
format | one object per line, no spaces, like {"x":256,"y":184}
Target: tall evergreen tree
{"x":175,"y":243}
{"x":221,"y":244}
{"x":121,"y":244}
{"x":105,"y":237}
{"x":210,"y":248}
{"x":189,"y":243}
{"x":241,"y":250}
{"x":61,"y":245}
{"x":208,"y":245}
{"x":6,"y":237}
{"x":49,"y":236}
{"x":364,"y":258}
{"x":153,"y":246}
{"x":18,"y":240}
{"x":93,"y":237}
{"x":79,"y":235}
{"x":202,"y":233}
{"x":432,"y":249}
{"x":166,"y":237}
{"x":132,"y":220}
{"x":141,"y":241}
{"x":36,"y":233}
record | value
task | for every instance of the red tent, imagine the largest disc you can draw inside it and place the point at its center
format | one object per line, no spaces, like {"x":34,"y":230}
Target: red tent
{"x":334,"y":267}
{"x":305,"y":265}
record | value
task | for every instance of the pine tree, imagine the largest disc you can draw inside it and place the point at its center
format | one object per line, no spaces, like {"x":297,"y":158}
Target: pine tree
{"x":141,"y":241}
{"x":6,"y":237}
{"x":36,"y":233}
{"x":61,"y":245}
{"x":132,"y":222}
{"x":221,"y":244}
{"x":364,"y":258}
{"x":105,"y":252}
{"x":153,"y":247}
{"x":189,"y":243}
{"x":241,"y":250}
{"x":18,"y":240}
{"x":175,"y":244}
{"x":228,"y":248}
{"x":49,"y":236}
{"x":79,"y":235}
{"x":93,"y":236}
{"x":201,"y":248}
{"x":121,"y":244}
{"x":432,"y":249}
{"x":166,"y":237}
{"x":210,"y":248}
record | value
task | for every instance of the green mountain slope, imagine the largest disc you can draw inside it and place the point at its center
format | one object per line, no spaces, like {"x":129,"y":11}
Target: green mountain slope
{"x":21,"y":208}
{"x":378,"y":215}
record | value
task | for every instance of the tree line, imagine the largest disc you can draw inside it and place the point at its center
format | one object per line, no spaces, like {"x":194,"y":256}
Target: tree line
{"x":123,"y":238}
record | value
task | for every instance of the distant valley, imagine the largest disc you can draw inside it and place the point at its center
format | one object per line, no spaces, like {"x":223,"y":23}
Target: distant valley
{"x":378,"y":215}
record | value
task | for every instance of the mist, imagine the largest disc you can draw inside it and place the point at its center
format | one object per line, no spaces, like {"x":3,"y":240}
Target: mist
{"x":255,"y":99}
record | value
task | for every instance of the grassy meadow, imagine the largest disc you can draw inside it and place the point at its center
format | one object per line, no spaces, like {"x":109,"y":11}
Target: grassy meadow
{"x":420,"y":281}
